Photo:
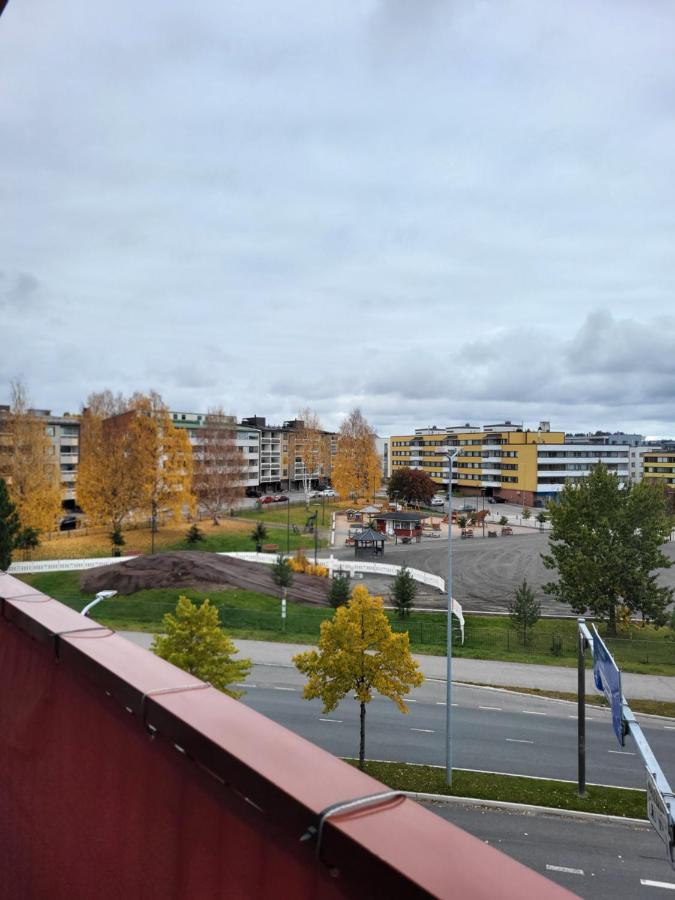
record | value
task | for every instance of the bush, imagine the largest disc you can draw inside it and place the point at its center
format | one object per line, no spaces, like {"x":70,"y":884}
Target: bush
{"x":258,"y":536}
{"x":194,"y":534}
{"x":503,"y":520}
{"x":117,"y":541}
{"x":340,"y":589}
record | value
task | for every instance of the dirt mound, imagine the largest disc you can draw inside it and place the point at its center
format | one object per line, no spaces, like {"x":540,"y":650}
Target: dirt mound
{"x":195,"y":569}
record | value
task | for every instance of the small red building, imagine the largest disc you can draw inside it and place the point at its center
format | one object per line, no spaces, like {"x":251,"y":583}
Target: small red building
{"x":405,"y":526}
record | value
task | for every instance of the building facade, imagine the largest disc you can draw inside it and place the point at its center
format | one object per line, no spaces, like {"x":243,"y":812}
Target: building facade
{"x":506,"y":461}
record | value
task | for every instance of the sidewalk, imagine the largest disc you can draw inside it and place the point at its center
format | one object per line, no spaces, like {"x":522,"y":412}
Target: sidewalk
{"x":479,"y":671}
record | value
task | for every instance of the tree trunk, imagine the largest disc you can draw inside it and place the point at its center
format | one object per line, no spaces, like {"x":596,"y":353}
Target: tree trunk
{"x":362,"y":741}
{"x":611,"y":623}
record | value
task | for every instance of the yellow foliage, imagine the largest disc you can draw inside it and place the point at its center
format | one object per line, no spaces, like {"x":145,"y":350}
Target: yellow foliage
{"x":31,"y":467}
{"x":356,"y":467}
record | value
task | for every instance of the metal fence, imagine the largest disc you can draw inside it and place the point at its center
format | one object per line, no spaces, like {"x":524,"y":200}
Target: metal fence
{"x":431,"y":634}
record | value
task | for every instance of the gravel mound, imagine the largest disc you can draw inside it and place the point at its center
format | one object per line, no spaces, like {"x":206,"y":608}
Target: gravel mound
{"x":191,"y":568}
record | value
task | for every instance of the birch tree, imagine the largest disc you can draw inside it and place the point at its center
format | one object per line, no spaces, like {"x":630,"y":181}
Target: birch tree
{"x":356,"y":468}
{"x":30,"y":465}
{"x":359,"y":654}
{"x":311,"y":448}
{"x":219,"y":467}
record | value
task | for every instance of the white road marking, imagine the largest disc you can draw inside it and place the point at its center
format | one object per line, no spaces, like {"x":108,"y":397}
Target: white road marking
{"x":408,"y":700}
{"x":669,"y":727}
{"x":495,"y":708}
{"x":667,"y":885}
{"x":443,"y":703}
{"x":622,"y":752}
{"x":336,"y":721}
{"x":425,"y":730}
{"x":454,"y":704}
{"x":245,"y":684}
{"x":532,"y":712}
{"x":518,"y":741}
{"x":565,"y":869}
{"x":275,"y":688}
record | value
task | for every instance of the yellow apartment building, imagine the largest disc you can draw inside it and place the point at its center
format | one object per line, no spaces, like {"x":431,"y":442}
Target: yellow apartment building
{"x":659,"y":467}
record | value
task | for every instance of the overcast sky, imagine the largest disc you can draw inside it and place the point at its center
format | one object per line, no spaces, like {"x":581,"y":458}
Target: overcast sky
{"x":439,"y":211}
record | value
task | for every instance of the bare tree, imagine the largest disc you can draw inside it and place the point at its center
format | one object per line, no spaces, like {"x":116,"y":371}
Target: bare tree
{"x":219,"y":466}
{"x":311,"y":448}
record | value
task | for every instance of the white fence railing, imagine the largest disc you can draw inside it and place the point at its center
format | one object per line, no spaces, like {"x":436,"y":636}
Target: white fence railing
{"x":353,"y":567}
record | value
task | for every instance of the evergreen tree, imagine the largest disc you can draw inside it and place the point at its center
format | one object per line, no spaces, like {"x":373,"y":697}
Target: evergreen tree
{"x":403,"y":592}
{"x":194,"y":534}
{"x":9,"y":527}
{"x":194,"y":641}
{"x":258,"y":535}
{"x":339,"y":590}
{"x":282,"y":573}
{"x":524,"y":610}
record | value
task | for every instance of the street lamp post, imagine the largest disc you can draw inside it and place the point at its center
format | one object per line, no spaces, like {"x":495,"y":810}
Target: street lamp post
{"x":448,"y":694}
{"x":102,"y":595}
{"x":288,"y":525}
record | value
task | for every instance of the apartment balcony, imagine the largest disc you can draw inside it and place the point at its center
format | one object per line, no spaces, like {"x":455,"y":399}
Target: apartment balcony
{"x":69,"y":459}
{"x":491,"y":482}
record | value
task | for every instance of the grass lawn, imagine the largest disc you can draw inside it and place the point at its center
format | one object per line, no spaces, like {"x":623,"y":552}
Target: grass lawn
{"x":509,"y":788}
{"x":230,"y":535}
{"x":277,"y":513}
{"x":256,"y":616}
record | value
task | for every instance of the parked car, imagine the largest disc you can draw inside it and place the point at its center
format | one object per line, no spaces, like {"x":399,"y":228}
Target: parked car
{"x":491,"y":500}
{"x":437,"y":501}
{"x":68,"y":523}
{"x":328,"y":492}
{"x":467,"y":507}
{"x":253,"y":492}
{"x":281,"y":498}
{"x":267,"y":499}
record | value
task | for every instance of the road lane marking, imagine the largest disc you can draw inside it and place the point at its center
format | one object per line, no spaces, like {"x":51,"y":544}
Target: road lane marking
{"x":244,"y":684}
{"x":275,"y":688}
{"x":408,"y":700}
{"x":443,"y":703}
{"x":565,"y":869}
{"x":335,"y":721}
{"x":495,"y":708}
{"x":667,"y":885}
{"x":532,"y":712}
{"x":518,"y":741}
{"x":669,"y":727}
{"x":622,"y":752}
{"x":425,"y":730}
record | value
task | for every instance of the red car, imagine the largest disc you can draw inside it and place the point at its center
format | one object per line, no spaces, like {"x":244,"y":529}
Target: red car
{"x":267,"y":500}
{"x":282,"y":498}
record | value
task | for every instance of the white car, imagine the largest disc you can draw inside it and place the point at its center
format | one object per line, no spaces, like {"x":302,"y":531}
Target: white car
{"x":329,"y":492}
{"x":437,"y":501}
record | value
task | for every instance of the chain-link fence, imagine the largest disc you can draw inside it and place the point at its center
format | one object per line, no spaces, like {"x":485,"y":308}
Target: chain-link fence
{"x":432,"y":634}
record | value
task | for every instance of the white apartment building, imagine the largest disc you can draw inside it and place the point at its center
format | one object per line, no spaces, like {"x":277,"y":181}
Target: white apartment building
{"x":247,"y":440}
{"x":561,"y":464}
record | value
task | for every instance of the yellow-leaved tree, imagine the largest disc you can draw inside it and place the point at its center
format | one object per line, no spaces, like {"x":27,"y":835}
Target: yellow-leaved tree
{"x":356,"y":467}
{"x":194,"y":641}
{"x":360,"y":654}
{"x":110,"y":482}
{"x":30,"y":465}
{"x":220,"y":469}
{"x":166,"y":457}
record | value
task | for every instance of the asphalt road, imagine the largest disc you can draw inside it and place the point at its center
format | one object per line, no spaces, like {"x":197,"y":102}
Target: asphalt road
{"x":602,"y":860}
{"x":486,"y":572}
{"x":495,"y":731}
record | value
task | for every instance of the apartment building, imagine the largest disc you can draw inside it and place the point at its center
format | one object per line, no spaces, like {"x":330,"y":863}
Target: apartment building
{"x":64,"y":434}
{"x":504,"y":460}
{"x":281,"y":458}
{"x":247,"y":440}
{"x":659,"y":467}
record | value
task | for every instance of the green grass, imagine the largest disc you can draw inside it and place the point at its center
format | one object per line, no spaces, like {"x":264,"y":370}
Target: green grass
{"x":277,"y":513}
{"x":509,"y":789}
{"x":256,"y":616}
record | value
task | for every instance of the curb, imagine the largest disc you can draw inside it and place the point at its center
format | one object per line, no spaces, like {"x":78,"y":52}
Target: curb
{"x":524,"y":807}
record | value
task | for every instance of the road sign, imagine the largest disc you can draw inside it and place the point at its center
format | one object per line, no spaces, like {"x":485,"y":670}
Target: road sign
{"x":657,"y":810}
{"x":608,"y":680}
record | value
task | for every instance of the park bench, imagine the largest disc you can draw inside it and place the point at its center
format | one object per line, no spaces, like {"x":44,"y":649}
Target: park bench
{"x":270,"y":548}
{"x":507,"y":529}
{"x":492,"y":533}
{"x":467,"y":532}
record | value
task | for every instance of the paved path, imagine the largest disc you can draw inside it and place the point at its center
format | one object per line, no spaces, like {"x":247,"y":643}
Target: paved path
{"x":477,"y":671}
